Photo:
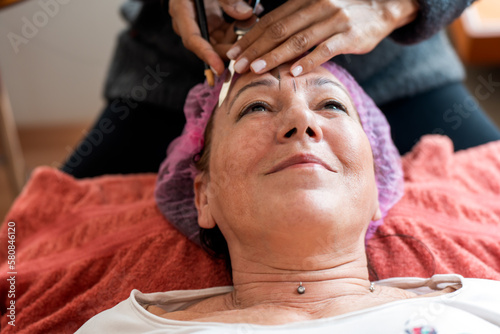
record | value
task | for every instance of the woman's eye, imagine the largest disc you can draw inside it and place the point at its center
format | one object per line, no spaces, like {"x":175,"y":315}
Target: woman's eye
{"x":334,"y":105}
{"x":254,"y":107}
{"x":258,"y":107}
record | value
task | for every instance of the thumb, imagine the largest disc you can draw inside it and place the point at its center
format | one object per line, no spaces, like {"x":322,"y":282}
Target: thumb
{"x":237,"y":9}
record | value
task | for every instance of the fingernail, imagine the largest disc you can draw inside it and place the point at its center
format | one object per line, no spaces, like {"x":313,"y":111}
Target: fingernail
{"x":296,"y":71}
{"x":258,"y":65}
{"x":233,"y":52}
{"x":240,"y":65}
{"x":213,"y":70}
{"x":259,"y":10}
{"x":242,"y":7}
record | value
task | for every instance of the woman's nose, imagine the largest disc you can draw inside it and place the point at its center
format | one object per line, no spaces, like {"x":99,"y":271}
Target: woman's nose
{"x":299,"y":124}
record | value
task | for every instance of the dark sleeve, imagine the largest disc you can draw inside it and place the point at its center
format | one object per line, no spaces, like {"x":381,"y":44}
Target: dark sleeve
{"x":433,"y":15}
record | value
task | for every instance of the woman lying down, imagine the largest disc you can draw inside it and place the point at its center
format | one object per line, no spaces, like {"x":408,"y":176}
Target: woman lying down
{"x":294,"y":175}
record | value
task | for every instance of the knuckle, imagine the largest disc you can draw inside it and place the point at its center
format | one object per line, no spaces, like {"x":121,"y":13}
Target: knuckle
{"x":357,"y":42}
{"x":243,"y":43}
{"x":349,"y":26}
{"x":186,"y":42}
{"x":175,"y":27}
{"x":299,"y":42}
{"x":307,"y":63}
{"x":326,"y":6}
{"x":326,"y":50}
{"x":252,"y":53}
{"x":359,"y":39}
{"x":274,"y":59}
{"x":266,"y":20}
{"x":277,"y":31}
{"x":344,"y":15}
{"x":189,"y":41}
{"x":171,"y":9}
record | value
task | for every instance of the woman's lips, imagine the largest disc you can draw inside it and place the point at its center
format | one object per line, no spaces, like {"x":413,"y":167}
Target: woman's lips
{"x":300,"y":159}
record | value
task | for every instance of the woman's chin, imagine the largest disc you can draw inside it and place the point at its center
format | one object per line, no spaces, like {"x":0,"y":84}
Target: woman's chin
{"x":305,"y":203}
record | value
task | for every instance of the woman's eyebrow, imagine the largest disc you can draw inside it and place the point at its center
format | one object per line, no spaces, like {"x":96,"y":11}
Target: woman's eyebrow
{"x":321,"y":81}
{"x":263,"y":82}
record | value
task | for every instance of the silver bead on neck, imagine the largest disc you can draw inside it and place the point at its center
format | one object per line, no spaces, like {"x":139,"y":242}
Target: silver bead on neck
{"x":301,"y":289}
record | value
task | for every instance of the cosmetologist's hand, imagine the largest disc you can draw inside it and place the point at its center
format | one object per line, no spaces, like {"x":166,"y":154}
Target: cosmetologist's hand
{"x":333,"y":26}
{"x":185,"y":24}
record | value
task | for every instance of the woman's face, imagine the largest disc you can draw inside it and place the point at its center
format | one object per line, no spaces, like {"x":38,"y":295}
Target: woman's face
{"x":289,"y":159}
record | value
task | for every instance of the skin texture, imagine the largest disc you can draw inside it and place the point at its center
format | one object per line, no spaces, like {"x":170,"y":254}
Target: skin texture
{"x":332,"y":26}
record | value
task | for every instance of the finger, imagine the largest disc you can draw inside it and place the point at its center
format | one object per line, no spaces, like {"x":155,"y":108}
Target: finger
{"x":182,"y":13}
{"x":214,"y":16}
{"x":214,"y":23}
{"x":218,"y":37}
{"x":338,"y":44}
{"x":358,"y":40}
{"x":275,"y":53}
{"x":259,"y":9}
{"x":306,"y":28}
{"x":189,"y":31}
{"x":221,"y":50}
{"x":210,"y":56}
{"x":302,"y":39}
{"x":270,"y":22}
{"x":194,"y":42}
{"x":176,"y":28}
{"x":237,"y":9}
{"x":223,"y":36}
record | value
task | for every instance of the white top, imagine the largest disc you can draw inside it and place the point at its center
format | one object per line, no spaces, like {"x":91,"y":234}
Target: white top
{"x":474,"y":308}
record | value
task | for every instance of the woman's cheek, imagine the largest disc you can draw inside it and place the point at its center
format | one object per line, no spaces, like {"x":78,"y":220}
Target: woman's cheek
{"x":349,"y":143}
{"x":250,"y":146}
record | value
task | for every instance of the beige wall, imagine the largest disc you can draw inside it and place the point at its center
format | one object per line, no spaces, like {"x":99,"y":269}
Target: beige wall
{"x":54,"y":58}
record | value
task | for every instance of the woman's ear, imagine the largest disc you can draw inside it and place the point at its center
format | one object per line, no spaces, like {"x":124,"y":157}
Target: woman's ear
{"x":205,"y":219}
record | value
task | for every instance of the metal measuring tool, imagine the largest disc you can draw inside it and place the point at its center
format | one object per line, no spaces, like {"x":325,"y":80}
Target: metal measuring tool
{"x":240,"y":29}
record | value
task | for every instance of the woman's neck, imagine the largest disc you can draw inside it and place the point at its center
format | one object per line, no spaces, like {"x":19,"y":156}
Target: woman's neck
{"x":257,"y":283}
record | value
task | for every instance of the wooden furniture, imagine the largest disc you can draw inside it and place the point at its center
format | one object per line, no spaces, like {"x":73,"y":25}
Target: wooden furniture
{"x":10,"y":148}
{"x":5,"y":3}
{"x":476,"y":34}
{"x":9,"y":143}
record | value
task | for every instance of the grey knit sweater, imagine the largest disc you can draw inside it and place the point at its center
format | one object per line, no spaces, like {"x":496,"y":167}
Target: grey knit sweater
{"x":413,"y":59}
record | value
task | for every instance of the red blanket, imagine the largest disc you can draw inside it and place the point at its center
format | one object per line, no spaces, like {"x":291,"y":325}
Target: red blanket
{"x":82,"y":246}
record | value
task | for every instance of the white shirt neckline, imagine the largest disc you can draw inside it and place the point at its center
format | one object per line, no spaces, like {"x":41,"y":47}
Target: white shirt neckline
{"x":414,"y":284}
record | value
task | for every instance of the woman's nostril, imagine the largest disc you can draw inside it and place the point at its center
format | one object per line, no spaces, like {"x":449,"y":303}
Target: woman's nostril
{"x":310,"y":132}
{"x":290,"y":133}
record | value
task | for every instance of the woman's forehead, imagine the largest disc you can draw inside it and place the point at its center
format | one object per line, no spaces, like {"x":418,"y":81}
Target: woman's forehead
{"x":282,"y":73}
